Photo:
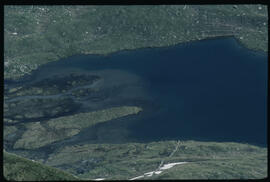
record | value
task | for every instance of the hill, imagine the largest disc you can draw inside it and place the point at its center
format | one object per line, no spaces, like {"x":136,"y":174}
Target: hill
{"x":21,"y":169}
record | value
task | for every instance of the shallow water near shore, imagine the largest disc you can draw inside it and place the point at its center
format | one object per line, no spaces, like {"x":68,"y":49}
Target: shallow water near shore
{"x":211,"y":90}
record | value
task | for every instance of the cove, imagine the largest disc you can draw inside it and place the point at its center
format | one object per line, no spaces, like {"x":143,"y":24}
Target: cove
{"x":210,"y":90}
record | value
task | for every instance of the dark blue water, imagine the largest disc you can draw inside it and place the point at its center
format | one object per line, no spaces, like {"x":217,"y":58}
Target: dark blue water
{"x":213,"y":90}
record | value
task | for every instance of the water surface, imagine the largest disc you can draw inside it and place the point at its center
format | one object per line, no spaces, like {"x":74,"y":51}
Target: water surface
{"x":213,"y":90}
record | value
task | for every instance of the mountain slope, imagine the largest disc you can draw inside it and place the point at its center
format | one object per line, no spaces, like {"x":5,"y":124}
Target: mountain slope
{"x":22,"y":169}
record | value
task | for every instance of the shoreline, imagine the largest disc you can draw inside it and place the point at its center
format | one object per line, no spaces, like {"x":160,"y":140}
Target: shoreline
{"x":23,"y":78}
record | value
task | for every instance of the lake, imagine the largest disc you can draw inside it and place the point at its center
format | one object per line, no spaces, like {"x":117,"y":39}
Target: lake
{"x":210,"y":90}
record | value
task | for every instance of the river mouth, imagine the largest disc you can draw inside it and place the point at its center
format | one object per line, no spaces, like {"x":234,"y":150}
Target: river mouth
{"x":212,"y":90}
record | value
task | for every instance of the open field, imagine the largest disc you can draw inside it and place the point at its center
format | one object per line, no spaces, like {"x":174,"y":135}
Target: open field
{"x":205,"y":160}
